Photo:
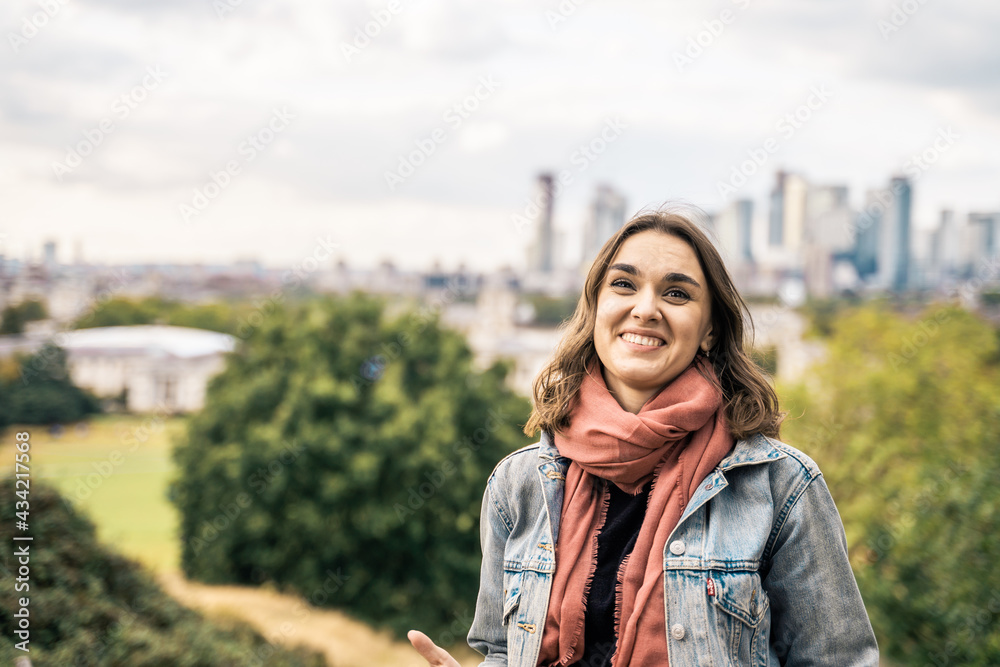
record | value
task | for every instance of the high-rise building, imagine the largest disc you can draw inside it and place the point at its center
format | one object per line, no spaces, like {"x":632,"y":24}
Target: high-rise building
{"x":49,"y":257}
{"x":786,"y":223}
{"x":984,"y":229}
{"x":541,"y":254}
{"x":607,"y":216}
{"x":733,"y":225}
{"x":945,"y":249}
{"x":894,"y":246}
{"x":826,"y":236}
{"x":868,"y":229}
{"x":828,"y":218}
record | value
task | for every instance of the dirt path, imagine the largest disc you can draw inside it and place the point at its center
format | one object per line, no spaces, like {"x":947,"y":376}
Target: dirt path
{"x":288,"y":620}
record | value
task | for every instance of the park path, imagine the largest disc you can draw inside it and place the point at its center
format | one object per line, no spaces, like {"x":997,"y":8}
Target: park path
{"x":288,"y":620}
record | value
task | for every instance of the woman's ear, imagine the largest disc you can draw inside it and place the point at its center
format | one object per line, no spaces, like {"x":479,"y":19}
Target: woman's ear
{"x":707,"y":341}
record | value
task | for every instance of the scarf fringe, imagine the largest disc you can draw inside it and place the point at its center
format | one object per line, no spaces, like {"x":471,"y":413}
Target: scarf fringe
{"x":602,"y":517}
{"x":619,"y":591}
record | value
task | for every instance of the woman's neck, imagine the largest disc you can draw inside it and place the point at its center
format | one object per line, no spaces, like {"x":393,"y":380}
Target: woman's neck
{"x":630,"y":398}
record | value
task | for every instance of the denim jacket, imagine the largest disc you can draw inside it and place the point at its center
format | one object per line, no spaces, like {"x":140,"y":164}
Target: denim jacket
{"x":755,"y":573}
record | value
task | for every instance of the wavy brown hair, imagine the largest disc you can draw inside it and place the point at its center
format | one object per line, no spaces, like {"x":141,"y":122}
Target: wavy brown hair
{"x":751,"y":404}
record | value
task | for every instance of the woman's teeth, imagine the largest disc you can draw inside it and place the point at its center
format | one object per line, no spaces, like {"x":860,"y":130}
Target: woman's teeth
{"x":642,"y":340}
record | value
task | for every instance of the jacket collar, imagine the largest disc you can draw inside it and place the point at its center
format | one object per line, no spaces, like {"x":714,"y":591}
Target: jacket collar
{"x":750,"y":451}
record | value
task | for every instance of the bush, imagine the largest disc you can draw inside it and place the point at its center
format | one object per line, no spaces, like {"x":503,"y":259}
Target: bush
{"x":44,"y":393}
{"x":344,"y":457}
{"x":89,"y":606}
{"x":905,"y":426}
{"x":13,"y":318}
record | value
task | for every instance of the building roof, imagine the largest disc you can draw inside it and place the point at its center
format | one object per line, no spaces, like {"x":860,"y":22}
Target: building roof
{"x":147,"y":339}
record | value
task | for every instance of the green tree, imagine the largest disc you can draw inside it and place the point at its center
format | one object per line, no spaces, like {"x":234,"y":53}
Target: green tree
{"x":44,"y":393}
{"x":344,"y":456}
{"x":904,"y":419}
{"x":222,"y":316}
{"x":552,"y":310}
{"x":119,"y":312}
{"x":13,"y":318}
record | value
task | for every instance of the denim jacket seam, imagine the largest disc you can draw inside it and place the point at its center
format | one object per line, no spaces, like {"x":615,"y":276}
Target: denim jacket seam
{"x":809,"y":467}
{"x":497,"y":507}
{"x":786,"y":510}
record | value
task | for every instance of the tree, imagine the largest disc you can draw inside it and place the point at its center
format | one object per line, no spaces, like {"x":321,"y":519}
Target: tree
{"x":344,"y":456}
{"x":120,"y":312}
{"x":13,"y":318}
{"x":233,"y":318}
{"x":44,"y":393}
{"x":904,"y":419}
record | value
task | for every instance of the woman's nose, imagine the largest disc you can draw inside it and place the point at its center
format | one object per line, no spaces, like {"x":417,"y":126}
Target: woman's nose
{"x":647,"y":305}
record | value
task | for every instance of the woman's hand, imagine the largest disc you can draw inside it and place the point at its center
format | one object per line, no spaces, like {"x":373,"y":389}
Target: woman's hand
{"x":432,"y":653}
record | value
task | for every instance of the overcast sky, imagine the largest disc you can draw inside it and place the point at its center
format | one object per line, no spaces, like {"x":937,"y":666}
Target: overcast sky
{"x":163,"y":93}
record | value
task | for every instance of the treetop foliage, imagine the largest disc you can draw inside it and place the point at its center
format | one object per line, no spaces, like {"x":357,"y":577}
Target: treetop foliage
{"x":344,"y":456}
{"x":903,"y":418}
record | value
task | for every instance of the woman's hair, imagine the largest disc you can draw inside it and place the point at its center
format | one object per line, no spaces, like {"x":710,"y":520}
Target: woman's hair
{"x":751,"y":405}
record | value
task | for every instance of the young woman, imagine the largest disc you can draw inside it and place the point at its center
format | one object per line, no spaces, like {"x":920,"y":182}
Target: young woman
{"x":658,"y":521}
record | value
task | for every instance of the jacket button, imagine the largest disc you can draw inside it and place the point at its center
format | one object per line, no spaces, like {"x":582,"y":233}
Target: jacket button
{"x":677,"y":632}
{"x":677,"y":548}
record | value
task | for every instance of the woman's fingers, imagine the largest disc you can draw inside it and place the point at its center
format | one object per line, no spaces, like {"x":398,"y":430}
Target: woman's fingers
{"x":431,"y":652}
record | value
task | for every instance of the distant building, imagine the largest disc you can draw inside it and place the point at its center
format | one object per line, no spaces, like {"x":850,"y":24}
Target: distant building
{"x":786,"y":223}
{"x":894,"y":245}
{"x":984,"y":229}
{"x":868,"y":226}
{"x":607,"y":216}
{"x":542,"y":252}
{"x":827,"y":235}
{"x":49,"y":257}
{"x":945,"y":250}
{"x":158,"y":367}
{"x":733,"y":226}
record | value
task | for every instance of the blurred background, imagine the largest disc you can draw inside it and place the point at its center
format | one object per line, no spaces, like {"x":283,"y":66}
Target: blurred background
{"x":276,"y":278}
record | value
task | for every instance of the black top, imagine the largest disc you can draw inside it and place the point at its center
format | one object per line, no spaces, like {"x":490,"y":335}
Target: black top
{"x":614,"y":541}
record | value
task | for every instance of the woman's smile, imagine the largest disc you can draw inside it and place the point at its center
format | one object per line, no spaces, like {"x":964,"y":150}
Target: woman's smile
{"x":641,"y":343}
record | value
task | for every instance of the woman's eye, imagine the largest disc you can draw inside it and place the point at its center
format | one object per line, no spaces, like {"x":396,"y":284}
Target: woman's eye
{"x":677,"y":294}
{"x":620,"y":282}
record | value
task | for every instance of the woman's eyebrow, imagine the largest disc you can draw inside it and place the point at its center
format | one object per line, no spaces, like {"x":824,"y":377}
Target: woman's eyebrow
{"x":672,"y":277}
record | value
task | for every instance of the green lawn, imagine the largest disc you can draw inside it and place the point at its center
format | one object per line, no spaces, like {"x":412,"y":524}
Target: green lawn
{"x":116,"y":470}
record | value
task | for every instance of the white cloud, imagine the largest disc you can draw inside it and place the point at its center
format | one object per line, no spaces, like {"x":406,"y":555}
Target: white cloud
{"x":355,"y":118}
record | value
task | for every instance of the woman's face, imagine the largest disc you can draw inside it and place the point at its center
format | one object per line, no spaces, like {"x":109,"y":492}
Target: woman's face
{"x":653,"y":313}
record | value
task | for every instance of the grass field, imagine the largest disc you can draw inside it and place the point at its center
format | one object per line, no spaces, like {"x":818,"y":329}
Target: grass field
{"x":117,"y":469}
{"x":116,"y":474}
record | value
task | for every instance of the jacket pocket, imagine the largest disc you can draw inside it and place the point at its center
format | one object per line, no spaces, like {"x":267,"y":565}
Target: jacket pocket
{"x":511,"y":593}
{"x":740,"y":595}
{"x":742,"y":608}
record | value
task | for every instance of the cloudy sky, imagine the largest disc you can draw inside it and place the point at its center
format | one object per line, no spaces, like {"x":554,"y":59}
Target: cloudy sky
{"x":215,"y":130}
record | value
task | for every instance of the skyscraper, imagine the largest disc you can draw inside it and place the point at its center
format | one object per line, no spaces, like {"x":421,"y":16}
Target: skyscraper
{"x":541,"y":256}
{"x":894,"y":247}
{"x":985,"y":232}
{"x":786,"y":222}
{"x":945,"y":249}
{"x":733,"y":227}
{"x":868,"y":229}
{"x":607,"y":215}
{"x":826,"y":236}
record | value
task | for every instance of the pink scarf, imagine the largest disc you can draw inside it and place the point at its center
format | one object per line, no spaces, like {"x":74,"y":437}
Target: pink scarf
{"x":677,"y":439}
